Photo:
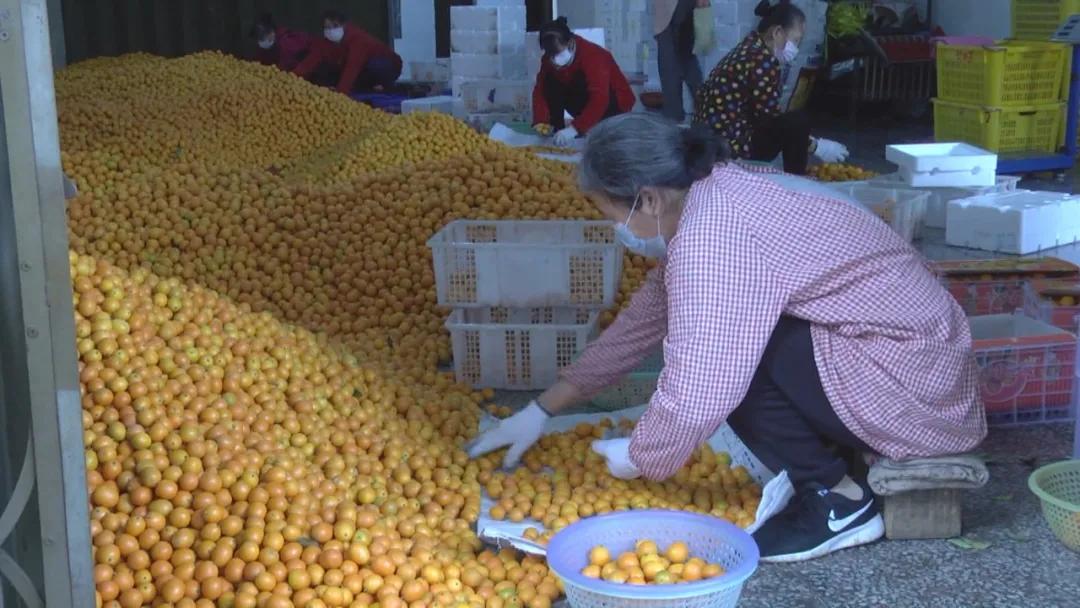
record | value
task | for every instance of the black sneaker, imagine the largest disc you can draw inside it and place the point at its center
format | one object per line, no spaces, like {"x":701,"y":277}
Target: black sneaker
{"x":817,"y":522}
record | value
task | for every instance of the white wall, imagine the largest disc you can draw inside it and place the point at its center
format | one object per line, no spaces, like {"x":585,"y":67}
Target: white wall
{"x":974,"y":17}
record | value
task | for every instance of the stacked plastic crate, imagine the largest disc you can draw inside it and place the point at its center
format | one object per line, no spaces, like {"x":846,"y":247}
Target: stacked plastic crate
{"x":524,"y":296}
{"x":488,"y":62}
{"x":1007,"y":98}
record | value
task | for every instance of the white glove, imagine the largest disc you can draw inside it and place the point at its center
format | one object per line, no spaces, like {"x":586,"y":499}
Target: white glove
{"x":519,"y":431}
{"x":565,"y":137}
{"x":617,"y":454}
{"x":830,"y":151}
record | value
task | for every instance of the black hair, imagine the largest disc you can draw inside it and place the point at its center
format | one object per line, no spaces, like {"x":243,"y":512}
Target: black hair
{"x":784,"y":15}
{"x":264,"y":26}
{"x":554,"y":35}
{"x":335,"y":16}
{"x":628,"y":152}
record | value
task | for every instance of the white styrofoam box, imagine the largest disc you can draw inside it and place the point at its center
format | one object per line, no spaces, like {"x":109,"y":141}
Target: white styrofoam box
{"x":951,"y":165}
{"x":430,"y":71}
{"x":526,"y":263}
{"x":444,"y":104}
{"x":483,"y":121}
{"x":485,"y":65}
{"x":1018,"y":222}
{"x":516,"y":348}
{"x":487,"y":41}
{"x":509,"y":18}
{"x":940,"y":197}
{"x":417,"y":40}
{"x":500,"y":2}
{"x":900,"y":208}
{"x":726,"y":12}
{"x":497,"y":95}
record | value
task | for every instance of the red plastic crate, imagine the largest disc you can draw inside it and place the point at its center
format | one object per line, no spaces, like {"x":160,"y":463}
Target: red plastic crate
{"x":1027,"y":369}
{"x":990,"y":287}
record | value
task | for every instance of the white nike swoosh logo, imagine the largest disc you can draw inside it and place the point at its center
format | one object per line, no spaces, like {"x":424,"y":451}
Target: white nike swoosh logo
{"x":836,"y":525}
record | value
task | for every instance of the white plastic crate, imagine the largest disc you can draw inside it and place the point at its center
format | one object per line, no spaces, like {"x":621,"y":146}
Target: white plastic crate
{"x":950,"y":165}
{"x":940,"y":197}
{"x":478,"y":66}
{"x":1018,"y":222}
{"x":497,"y":95}
{"x":527,"y":264}
{"x":498,"y":18}
{"x":898,"y":207}
{"x":484,"y":121}
{"x":487,"y":41}
{"x":516,"y":348}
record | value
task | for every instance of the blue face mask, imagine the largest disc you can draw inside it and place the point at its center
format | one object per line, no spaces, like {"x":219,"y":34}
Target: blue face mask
{"x":654,"y":247}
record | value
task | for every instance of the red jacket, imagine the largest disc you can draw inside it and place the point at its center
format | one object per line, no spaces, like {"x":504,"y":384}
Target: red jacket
{"x":289,"y":48}
{"x":350,"y":56}
{"x":602,"y":76}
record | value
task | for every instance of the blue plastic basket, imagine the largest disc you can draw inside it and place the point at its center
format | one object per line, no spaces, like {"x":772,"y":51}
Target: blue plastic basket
{"x":714,"y":540}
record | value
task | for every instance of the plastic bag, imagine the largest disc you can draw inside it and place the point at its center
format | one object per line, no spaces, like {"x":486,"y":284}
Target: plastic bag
{"x":703,"y":30}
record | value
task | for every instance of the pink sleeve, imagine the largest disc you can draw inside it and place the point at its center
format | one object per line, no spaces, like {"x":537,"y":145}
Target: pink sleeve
{"x":723,"y":303}
{"x":626,"y":343}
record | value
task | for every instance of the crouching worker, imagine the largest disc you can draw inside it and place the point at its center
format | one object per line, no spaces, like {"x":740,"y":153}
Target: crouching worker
{"x":349,"y":58}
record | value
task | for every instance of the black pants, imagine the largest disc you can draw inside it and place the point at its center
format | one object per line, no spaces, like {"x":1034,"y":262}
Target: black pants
{"x":676,"y":60}
{"x":571,"y":97}
{"x":379,"y":71}
{"x":787,"y":421}
{"x":788,"y":134}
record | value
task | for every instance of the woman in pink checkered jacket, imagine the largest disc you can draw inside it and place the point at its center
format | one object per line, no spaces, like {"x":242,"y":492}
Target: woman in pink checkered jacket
{"x":804,"y":322}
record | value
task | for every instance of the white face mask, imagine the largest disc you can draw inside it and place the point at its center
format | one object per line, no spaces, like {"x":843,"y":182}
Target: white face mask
{"x":334,"y":34}
{"x":563,"y":59}
{"x":654,"y":247}
{"x":267,"y":44}
{"x":790,"y":52}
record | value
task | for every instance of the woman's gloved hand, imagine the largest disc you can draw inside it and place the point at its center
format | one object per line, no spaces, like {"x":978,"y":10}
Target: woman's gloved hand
{"x":565,"y":137}
{"x":519,"y":431}
{"x":830,"y":151}
{"x":617,"y":454}
{"x":543,"y":129}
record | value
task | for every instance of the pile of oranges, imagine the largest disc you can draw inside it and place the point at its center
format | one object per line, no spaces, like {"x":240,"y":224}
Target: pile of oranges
{"x":562,"y":480}
{"x":647,"y":565}
{"x":265,"y":422}
{"x":839,"y":172}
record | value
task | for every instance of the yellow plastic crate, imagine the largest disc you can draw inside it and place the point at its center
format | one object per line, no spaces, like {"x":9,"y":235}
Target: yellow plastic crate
{"x":1007,"y":74}
{"x":1039,"y":19}
{"x":1002,"y":130}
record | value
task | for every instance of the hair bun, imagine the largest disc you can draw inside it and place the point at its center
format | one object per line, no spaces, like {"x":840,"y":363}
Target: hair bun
{"x":764,"y":9}
{"x":702,"y":149}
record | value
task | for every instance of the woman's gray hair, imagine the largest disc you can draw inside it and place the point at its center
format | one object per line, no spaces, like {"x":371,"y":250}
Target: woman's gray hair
{"x":625,"y":153}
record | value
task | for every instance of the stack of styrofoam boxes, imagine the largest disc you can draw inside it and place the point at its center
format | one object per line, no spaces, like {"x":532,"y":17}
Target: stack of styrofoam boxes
{"x":525,"y":296}
{"x":628,"y":29}
{"x":416,"y":46}
{"x":488,"y":62}
{"x":1019,"y":222}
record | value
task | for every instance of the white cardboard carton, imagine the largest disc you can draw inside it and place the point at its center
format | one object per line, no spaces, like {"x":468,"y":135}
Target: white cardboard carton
{"x":1018,"y":222}
{"x":497,"y":95}
{"x":953,"y":165}
{"x":476,"y":66}
{"x":508,"y":18}
{"x":487,"y":41}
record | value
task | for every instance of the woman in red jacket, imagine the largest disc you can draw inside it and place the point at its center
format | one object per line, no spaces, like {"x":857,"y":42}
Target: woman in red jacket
{"x":578,"y":77}
{"x":279,"y":46}
{"x":349,"y":58}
